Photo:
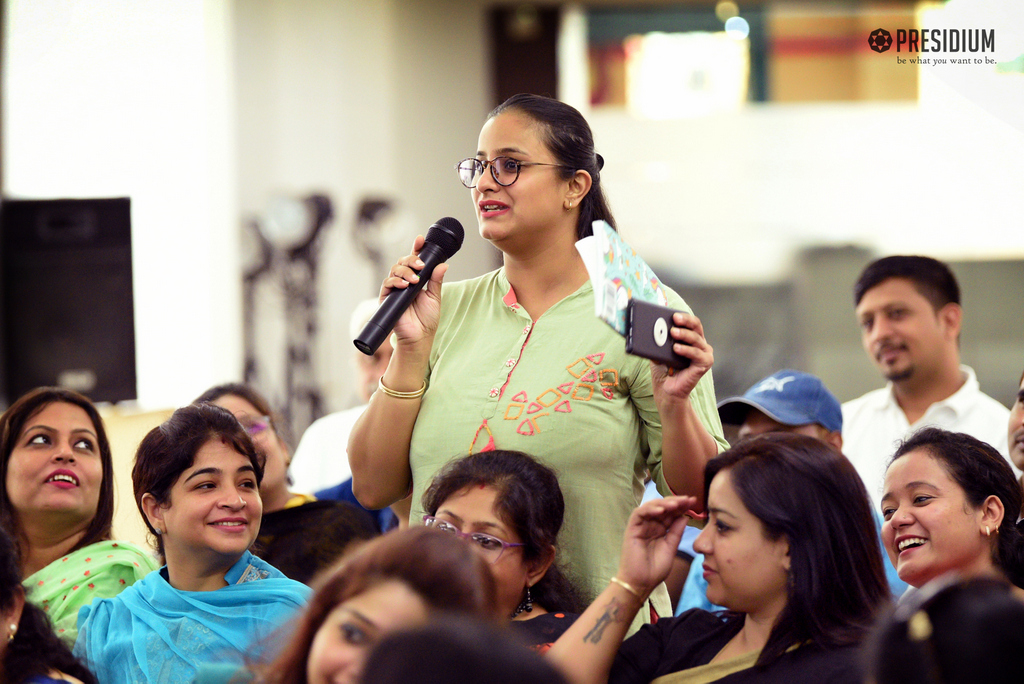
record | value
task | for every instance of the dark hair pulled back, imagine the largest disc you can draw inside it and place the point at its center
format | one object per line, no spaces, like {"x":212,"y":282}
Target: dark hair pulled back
{"x":567,"y":134}
{"x":170,"y":448}
{"x":981,"y":472}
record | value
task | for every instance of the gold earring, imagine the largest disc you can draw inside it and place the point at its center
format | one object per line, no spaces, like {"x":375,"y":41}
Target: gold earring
{"x":988,"y":532}
{"x":14,"y":630}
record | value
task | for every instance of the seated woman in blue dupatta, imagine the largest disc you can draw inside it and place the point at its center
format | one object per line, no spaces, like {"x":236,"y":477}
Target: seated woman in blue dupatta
{"x":790,"y":550}
{"x":196,"y":481}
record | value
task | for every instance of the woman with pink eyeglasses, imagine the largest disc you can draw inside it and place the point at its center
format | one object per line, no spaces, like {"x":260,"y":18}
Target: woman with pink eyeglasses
{"x":509,"y":508}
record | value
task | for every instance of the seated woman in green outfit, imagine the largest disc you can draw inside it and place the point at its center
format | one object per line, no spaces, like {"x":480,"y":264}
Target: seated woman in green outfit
{"x":57,"y":502}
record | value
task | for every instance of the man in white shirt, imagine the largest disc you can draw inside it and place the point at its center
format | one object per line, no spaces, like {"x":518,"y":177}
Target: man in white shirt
{"x":908,"y":308}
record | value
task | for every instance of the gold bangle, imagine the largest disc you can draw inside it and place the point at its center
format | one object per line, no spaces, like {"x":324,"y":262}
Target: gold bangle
{"x":401,"y":395}
{"x":628,"y":587}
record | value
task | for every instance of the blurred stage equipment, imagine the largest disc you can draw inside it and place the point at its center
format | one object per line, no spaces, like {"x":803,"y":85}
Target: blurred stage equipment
{"x":288,"y":239}
{"x":68,"y":317}
{"x":373,"y":233}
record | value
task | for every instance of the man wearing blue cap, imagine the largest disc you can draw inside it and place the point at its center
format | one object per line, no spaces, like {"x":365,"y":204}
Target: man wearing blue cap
{"x":786,"y":401}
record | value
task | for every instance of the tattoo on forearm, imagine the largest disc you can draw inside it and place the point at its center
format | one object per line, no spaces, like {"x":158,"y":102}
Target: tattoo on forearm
{"x":613,"y":613}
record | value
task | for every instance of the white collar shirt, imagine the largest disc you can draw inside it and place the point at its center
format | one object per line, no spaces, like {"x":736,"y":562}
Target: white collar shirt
{"x":874,"y":424}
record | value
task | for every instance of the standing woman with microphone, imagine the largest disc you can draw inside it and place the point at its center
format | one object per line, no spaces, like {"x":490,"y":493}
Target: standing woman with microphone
{"x":516,"y":359}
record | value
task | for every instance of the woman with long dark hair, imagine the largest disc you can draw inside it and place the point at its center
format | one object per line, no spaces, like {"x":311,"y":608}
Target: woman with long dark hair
{"x":57,"y":504}
{"x":516,"y":359}
{"x":789,"y":549}
{"x":30,"y":652}
{"x":951,"y":504}
{"x":400,"y":580}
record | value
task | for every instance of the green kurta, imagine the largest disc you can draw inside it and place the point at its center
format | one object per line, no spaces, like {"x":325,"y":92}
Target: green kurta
{"x":563,"y":390}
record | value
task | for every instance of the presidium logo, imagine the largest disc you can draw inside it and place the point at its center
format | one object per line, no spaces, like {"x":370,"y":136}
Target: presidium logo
{"x":934,"y":40}
{"x":880,"y":40}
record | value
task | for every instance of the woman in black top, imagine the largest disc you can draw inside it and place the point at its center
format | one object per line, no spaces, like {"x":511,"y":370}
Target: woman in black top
{"x":791,"y":552}
{"x":510,"y":508}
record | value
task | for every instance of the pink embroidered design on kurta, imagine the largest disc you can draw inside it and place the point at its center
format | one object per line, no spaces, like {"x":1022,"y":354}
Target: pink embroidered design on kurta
{"x":587,"y":370}
{"x":529,"y":427}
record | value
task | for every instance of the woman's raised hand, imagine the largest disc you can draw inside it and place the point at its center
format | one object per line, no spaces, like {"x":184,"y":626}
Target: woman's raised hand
{"x":419,"y":322}
{"x":651,"y":540}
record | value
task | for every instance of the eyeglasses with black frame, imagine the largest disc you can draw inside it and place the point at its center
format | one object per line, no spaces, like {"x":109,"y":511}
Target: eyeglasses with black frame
{"x":490,"y":546}
{"x":504,"y":170}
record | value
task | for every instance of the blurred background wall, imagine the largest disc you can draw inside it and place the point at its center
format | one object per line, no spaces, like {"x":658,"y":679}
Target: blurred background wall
{"x":760,"y":208}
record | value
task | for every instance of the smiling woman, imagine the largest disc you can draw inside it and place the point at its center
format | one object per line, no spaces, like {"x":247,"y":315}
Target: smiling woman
{"x":196,"y":480}
{"x":57,"y":502}
{"x":951,"y":504}
{"x":299,"y":535}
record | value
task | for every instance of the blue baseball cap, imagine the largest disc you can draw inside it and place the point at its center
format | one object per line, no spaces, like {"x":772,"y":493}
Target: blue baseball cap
{"x":791,"y":398}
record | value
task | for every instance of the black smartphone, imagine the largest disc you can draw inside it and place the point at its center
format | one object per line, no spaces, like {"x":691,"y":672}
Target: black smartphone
{"x":647,"y":335}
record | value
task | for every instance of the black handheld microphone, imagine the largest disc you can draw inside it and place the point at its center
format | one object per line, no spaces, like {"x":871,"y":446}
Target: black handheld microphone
{"x":443,"y":239}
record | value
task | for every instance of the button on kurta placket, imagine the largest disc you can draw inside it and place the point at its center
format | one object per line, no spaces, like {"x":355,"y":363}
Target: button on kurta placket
{"x":504,"y":372}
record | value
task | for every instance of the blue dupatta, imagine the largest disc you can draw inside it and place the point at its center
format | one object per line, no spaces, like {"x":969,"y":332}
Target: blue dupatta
{"x":152,"y":632}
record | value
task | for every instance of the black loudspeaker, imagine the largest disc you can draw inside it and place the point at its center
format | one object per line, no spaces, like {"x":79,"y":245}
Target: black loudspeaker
{"x":68,"y":317}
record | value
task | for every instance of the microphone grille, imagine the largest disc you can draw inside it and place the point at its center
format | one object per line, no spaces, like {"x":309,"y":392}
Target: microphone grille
{"x":446,"y":233}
